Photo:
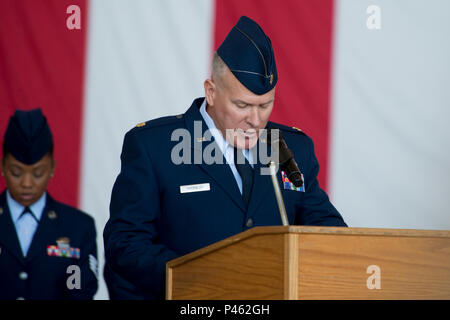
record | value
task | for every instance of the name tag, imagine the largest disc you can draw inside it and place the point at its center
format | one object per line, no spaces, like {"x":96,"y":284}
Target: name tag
{"x":195,"y":188}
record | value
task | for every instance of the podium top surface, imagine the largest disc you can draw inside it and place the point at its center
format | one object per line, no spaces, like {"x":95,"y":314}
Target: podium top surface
{"x":270,"y":230}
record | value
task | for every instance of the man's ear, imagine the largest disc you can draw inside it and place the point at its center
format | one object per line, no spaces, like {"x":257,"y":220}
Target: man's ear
{"x":210,"y":91}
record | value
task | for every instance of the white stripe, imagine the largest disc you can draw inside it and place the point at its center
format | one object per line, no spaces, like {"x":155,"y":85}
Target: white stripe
{"x":146,"y":58}
{"x":93,"y":265}
{"x":390,"y":164}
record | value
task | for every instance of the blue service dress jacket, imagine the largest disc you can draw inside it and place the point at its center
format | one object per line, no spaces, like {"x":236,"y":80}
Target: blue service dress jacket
{"x":65,"y":237}
{"x":152,"y":221}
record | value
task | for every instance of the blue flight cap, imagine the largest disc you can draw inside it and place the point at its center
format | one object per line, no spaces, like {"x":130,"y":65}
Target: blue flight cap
{"x":28,"y":137}
{"x":248,"y":53}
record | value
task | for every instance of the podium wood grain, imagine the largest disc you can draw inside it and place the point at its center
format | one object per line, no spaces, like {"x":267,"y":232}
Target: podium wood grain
{"x":298,"y":262}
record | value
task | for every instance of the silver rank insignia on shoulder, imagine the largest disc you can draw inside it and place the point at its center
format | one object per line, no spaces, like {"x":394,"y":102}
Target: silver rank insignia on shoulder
{"x":297,"y":129}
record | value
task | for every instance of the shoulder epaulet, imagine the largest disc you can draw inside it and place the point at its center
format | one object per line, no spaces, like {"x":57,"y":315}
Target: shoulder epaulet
{"x":283,"y":127}
{"x":160,"y":121}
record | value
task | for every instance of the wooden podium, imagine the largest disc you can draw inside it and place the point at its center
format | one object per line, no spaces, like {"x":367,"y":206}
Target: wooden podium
{"x":299,"y":262}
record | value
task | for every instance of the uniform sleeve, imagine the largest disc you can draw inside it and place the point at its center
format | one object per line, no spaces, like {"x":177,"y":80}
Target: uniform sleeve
{"x":316,"y":208}
{"x":131,"y":234}
{"x":88,"y":265}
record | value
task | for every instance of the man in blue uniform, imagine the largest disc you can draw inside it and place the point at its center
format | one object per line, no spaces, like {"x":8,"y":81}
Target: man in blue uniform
{"x":47,"y":249}
{"x":169,"y":199}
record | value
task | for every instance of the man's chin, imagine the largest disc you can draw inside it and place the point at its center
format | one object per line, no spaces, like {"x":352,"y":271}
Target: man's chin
{"x":247,"y":143}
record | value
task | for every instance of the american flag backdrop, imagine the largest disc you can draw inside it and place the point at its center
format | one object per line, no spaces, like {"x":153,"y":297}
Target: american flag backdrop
{"x":368,"y":80}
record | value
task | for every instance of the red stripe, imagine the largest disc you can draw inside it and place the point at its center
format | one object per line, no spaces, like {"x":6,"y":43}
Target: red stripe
{"x":301,"y":34}
{"x":42,"y":65}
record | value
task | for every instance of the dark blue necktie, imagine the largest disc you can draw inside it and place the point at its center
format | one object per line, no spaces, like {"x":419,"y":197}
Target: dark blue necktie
{"x":27,"y":210}
{"x":246,"y":172}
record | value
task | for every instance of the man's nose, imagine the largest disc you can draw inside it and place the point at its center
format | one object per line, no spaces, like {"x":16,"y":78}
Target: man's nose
{"x":254,"y":117}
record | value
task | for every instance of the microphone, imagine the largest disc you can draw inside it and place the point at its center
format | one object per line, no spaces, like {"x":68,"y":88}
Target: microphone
{"x":286,"y":160}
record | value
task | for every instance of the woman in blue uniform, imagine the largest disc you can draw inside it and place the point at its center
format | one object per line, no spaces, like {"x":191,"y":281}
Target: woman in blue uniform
{"x":47,"y":249}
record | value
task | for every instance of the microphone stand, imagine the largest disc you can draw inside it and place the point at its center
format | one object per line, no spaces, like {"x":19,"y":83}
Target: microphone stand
{"x":276,"y":188}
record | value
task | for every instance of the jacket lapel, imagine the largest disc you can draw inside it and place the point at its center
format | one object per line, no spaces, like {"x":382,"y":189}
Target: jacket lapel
{"x":8,"y":235}
{"x":221,"y":173}
{"x":45,"y":232}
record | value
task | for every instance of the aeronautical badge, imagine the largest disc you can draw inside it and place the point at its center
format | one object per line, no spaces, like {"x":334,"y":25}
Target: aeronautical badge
{"x":288,"y":185}
{"x":63,"y":249}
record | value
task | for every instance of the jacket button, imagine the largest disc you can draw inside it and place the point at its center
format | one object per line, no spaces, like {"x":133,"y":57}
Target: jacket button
{"x":249,"y":223}
{"x":23,"y":275}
